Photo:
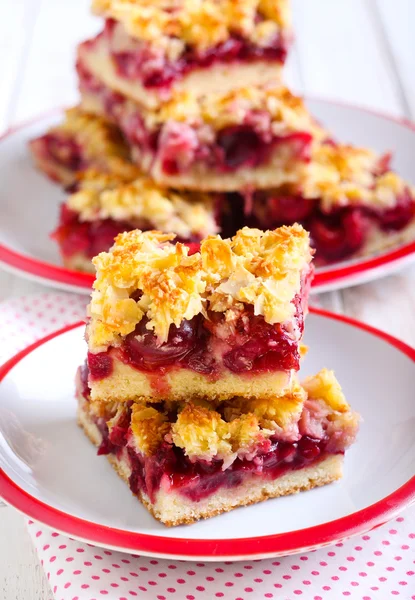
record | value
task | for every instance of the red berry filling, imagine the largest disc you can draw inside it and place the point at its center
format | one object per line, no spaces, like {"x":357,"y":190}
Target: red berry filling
{"x":179,"y":145}
{"x":199,"y":479}
{"x":61,"y":150}
{"x":155,"y":71}
{"x":249,"y":345}
{"x":336,"y":235}
{"x":89,"y":238}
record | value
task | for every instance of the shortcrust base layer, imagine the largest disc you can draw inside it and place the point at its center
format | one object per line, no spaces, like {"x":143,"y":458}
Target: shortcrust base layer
{"x":172,"y":509}
{"x":127,"y":383}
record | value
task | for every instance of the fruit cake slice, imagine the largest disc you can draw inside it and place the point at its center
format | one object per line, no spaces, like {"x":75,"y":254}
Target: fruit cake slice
{"x":195,"y":460}
{"x":223,"y":322}
{"x":256,"y":137}
{"x":105,"y":204}
{"x":351,"y":201}
{"x":151,"y":51}
{"x":81,"y":141}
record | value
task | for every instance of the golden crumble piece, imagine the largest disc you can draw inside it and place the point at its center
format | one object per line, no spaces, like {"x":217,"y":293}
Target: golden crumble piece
{"x":202,"y":433}
{"x":170,"y":281}
{"x":280,"y":110}
{"x":109,"y":196}
{"x":264,"y":269}
{"x":198,"y":23}
{"x":272,"y":413}
{"x":149,"y":426}
{"x":324,"y":386}
{"x":341,"y":175}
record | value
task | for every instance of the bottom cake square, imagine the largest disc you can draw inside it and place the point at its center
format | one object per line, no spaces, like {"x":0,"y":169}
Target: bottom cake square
{"x":193,"y":461}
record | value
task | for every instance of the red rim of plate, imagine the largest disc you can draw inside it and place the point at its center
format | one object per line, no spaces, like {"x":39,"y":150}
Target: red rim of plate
{"x":57,"y":274}
{"x":283,"y":543}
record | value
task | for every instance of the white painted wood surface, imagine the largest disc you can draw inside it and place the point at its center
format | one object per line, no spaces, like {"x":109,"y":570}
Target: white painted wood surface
{"x":360,"y":51}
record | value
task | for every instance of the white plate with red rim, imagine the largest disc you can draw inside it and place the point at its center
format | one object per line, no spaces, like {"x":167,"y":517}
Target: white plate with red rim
{"x":49,"y":470}
{"x":29,"y":202}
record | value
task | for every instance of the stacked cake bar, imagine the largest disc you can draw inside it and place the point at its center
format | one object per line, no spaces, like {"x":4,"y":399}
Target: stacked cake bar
{"x":183,"y":105}
{"x":191,"y":382}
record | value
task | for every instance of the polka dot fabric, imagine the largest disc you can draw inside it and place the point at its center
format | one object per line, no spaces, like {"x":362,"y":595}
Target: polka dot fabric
{"x":376,"y":566}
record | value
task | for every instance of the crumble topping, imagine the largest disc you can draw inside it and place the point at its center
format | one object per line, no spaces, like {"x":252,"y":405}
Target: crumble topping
{"x":264,"y":269}
{"x":148,"y":427}
{"x":174,"y":24}
{"x":108,"y":196}
{"x":324,"y":386}
{"x":272,"y":110}
{"x":99,"y":140}
{"x":203,"y":435}
{"x":344,"y":175}
{"x":170,"y":281}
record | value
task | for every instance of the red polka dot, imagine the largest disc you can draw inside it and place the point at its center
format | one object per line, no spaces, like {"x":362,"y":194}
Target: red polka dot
{"x":103,"y":592}
{"x":81,"y":550}
{"x":267,"y":572}
{"x":219,"y":595}
{"x":181,"y":581}
{"x":268,"y":595}
{"x":200,"y":588}
{"x":152,"y":582}
{"x":106,"y":571}
{"x":248,"y":589}
{"x":210,"y":579}
{"x":190,"y":597}
{"x":238,"y":575}
{"x":258,"y":580}
{"x":95,"y":577}
{"x":229,"y":584}
{"x":77,"y":572}
{"x":162,"y":574}
{"x":46,"y":547}
{"x":59,"y":572}
{"x":171,"y":590}
{"x":296,"y":567}
{"x":114,"y":585}
{"x":298,"y":592}
{"x":67,"y":584}
{"x":38,"y":533}
{"x":87,"y":563}
{"x":62,"y":547}
{"x":84,"y":586}
{"x":193,"y":573}
{"x":141,"y":569}
{"x":326,"y":588}
{"x":393,"y":531}
{"x":286,"y":577}
{"x":219,"y":570}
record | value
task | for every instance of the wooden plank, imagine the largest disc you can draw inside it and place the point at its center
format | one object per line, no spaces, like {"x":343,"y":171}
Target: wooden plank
{"x":21,"y":575}
{"x":48,"y":78}
{"x":17,"y":20}
{"x":340,"y":53}
{"x":398,"y":20}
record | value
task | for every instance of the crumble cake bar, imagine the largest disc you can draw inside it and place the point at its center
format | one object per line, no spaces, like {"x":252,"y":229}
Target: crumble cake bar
{"x":223,"y":322}
{"x":196,"y":460}
{"x":152,"y":51}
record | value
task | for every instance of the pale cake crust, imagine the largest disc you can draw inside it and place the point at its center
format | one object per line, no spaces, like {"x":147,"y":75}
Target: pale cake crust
{"x":126,"y":383}
{"x":220,"y":77}
{"x":172,"y":509}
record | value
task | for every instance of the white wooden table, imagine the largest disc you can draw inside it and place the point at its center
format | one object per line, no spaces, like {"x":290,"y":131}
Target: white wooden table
{"x":359,"y":51}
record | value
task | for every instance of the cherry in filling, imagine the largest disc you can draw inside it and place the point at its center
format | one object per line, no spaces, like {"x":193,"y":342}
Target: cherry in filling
{"x":89,"y":238}
{"x":62,"y":150}
{"x":250,"y":345}
{"x":336,"y":235}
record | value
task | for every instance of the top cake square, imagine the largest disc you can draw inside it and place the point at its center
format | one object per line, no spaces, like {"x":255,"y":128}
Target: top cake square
{"x":152,"y":50}
{"x":223,"y":322}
